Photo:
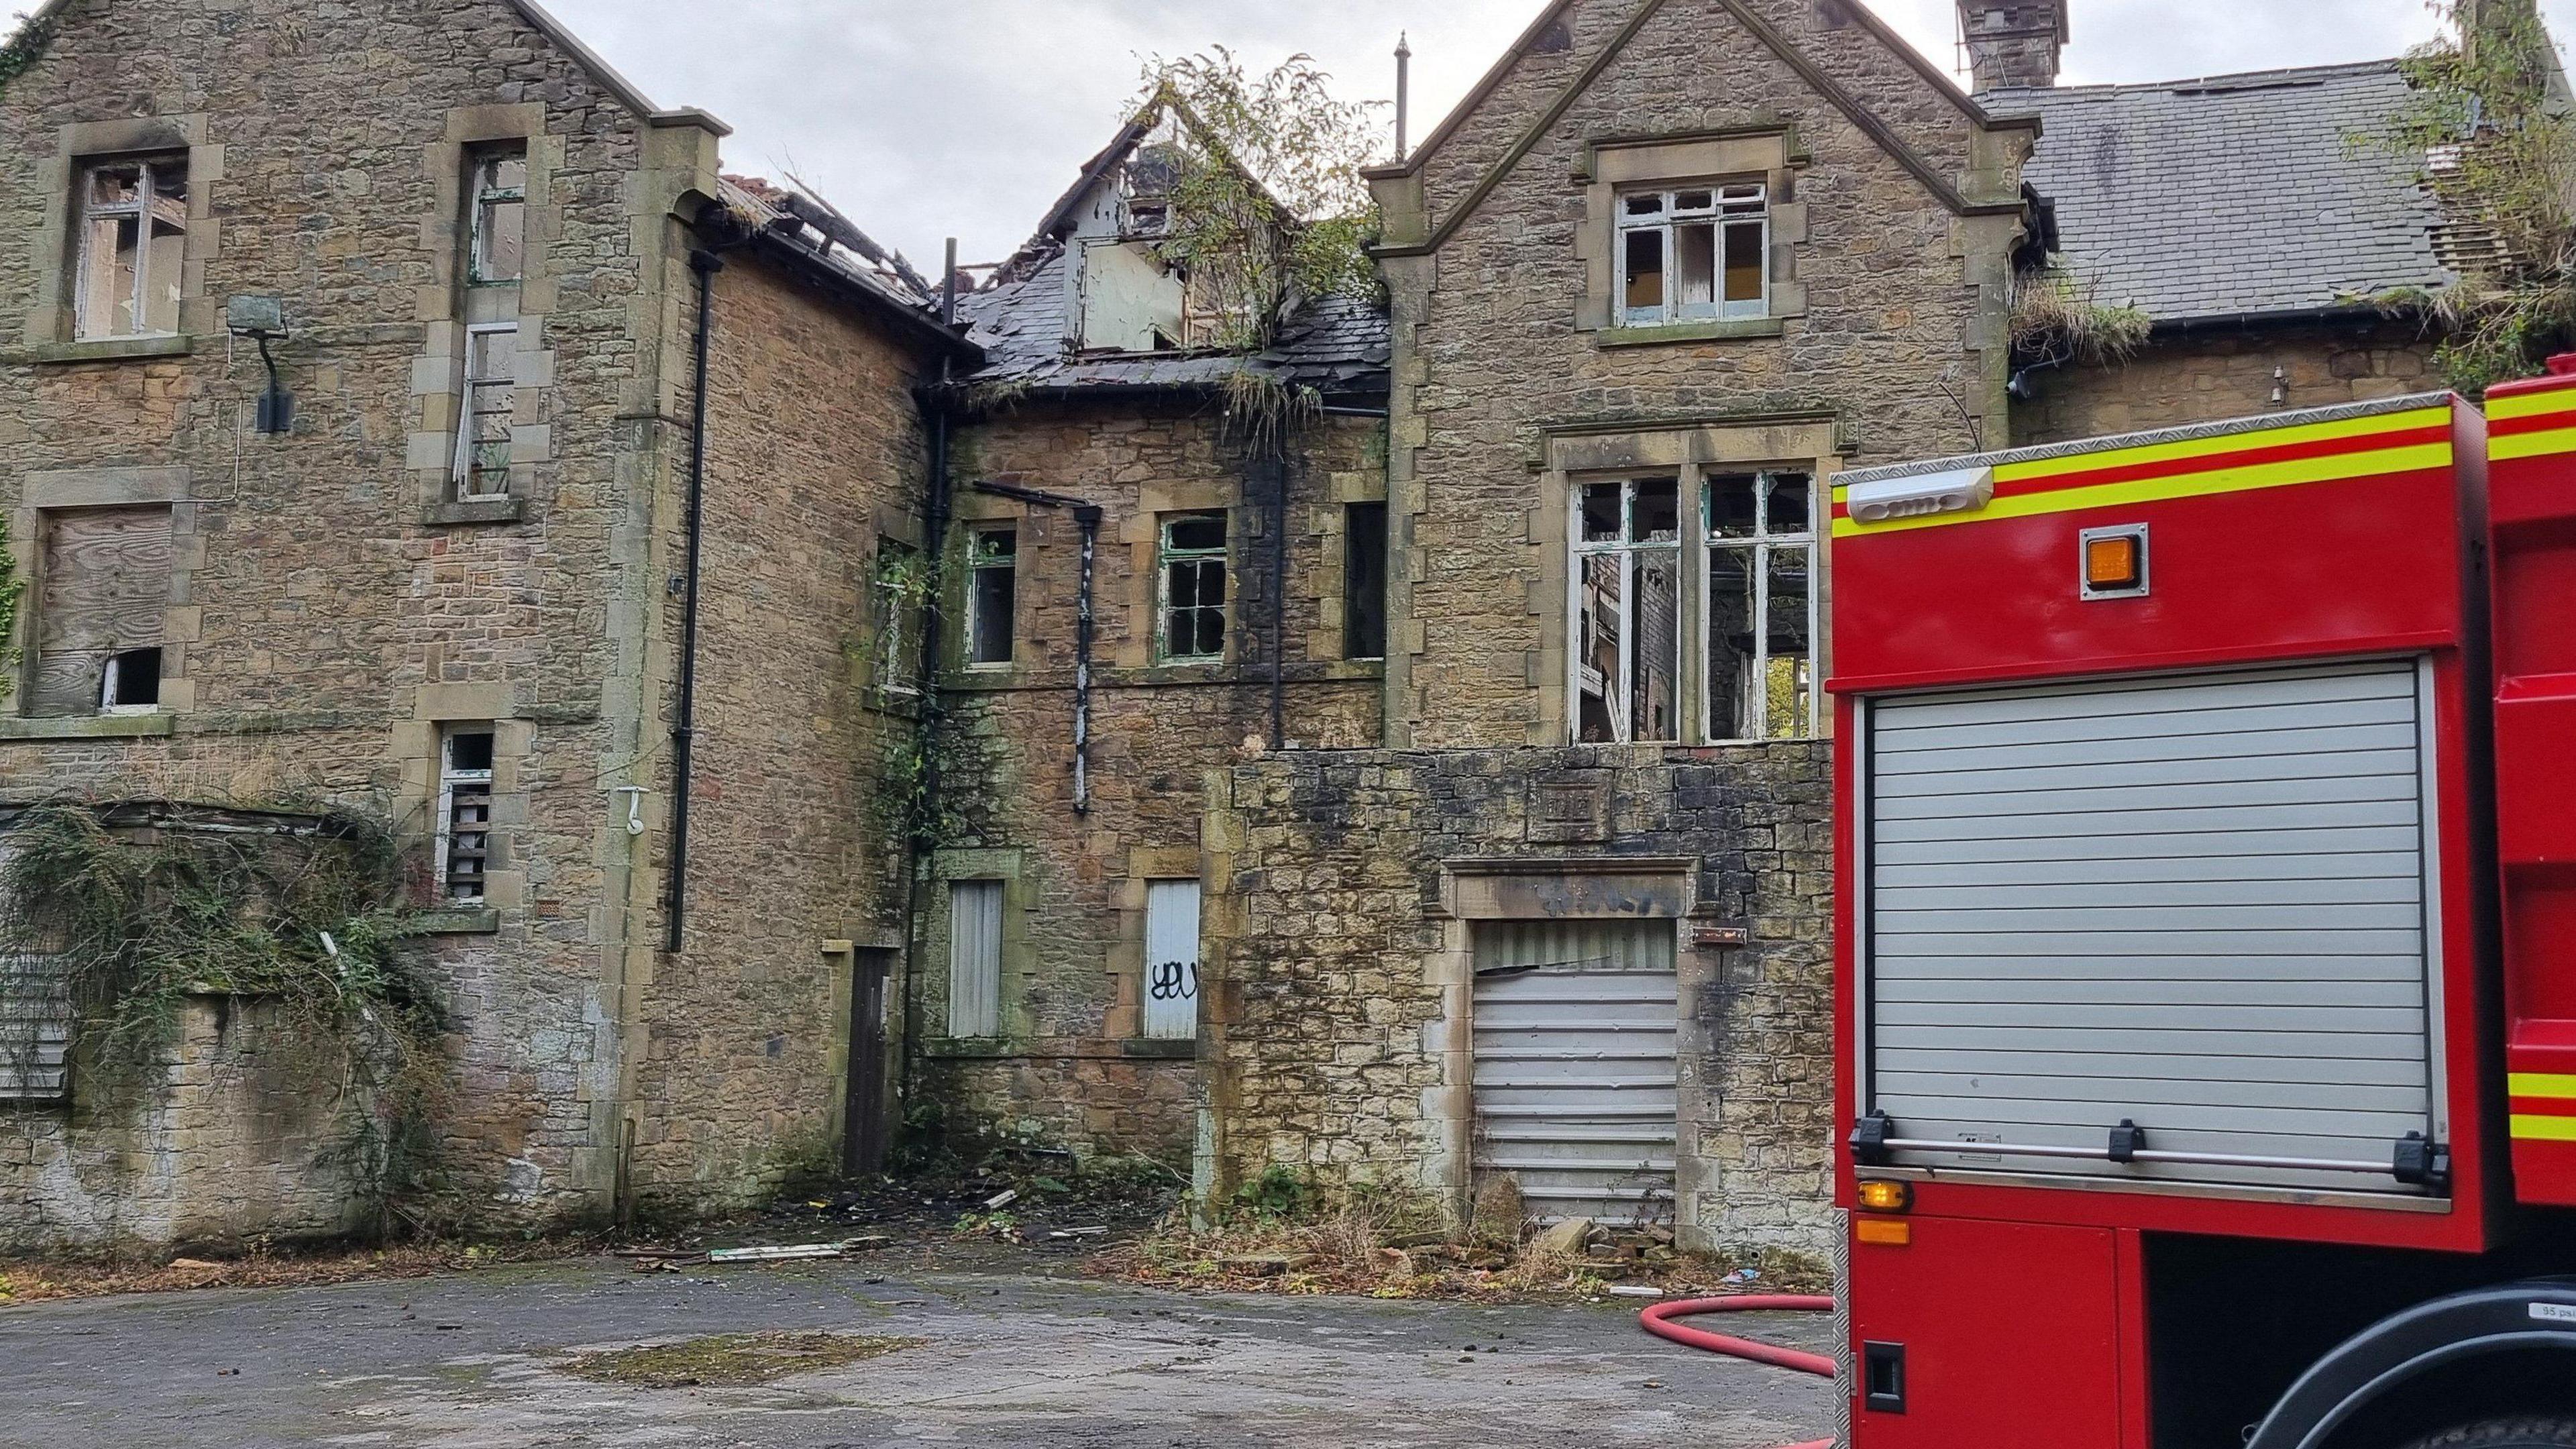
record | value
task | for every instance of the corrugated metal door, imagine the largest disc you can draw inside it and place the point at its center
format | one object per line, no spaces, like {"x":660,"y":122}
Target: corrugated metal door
{"x":1172,"y":960}
{"x":1574,"y":1035}
{"x":2196,"y":903}
{"x":35,"y":1028}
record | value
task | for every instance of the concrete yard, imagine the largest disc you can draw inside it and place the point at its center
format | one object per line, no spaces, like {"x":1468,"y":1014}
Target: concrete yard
{"x":1007,"y":1361}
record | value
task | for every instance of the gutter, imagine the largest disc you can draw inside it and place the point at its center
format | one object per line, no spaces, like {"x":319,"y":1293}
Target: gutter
{"x":2290,"y":317}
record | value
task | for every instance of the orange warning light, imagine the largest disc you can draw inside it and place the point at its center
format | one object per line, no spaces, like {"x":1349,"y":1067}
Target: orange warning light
{"x":2114,"y":562}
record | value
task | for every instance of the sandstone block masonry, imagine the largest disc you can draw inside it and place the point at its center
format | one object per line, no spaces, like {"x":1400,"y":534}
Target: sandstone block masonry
{"x":1340,"y":966}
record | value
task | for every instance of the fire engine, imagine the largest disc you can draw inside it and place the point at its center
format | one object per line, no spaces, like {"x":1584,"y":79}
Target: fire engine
{"x":2207,"y":933}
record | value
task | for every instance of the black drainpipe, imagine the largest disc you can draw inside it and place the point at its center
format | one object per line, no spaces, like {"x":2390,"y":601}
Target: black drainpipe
{"x":1276,"y":465}
{"x":939,"y":399}
{"x":1089,"y":517}
{"x":684,"y":734}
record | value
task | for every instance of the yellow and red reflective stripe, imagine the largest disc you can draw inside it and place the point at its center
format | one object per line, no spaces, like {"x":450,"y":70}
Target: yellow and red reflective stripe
{"x":2532,"y":425}
{"x":2544,"y":1106}
{"x":2199,"y":467}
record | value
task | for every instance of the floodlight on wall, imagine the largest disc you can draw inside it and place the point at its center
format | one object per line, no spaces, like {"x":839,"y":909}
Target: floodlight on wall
{"x":263,"y":319}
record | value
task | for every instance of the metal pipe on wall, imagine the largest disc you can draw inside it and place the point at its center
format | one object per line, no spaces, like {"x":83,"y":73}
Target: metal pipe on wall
{"x":684,"y":732}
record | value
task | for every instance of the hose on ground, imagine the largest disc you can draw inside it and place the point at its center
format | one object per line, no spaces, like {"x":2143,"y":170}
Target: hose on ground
{"x":1658,"y":1321}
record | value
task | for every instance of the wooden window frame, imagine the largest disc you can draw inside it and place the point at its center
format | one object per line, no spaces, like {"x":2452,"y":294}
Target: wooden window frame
{"x":89,"y":212}
{"x":1732,"y":206}
{"x":1166,"y":558}
{"x":1761,"y":546}
{"x":457,"y":786}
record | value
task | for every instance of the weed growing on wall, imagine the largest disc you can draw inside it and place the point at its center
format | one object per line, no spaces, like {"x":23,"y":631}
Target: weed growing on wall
{"x":2056,"y":318}
{"x":140,"y":908}
{"x":20,"y":52}
{"x":2491,"y":134}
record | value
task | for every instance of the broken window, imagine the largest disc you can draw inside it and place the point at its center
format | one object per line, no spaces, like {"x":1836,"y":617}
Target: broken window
{"x":975,"y":958}
{"x":1694,"y":255}
{"x":992,"y":595}
{"x":131,"y":683}
{"x":1762,"y":607}
{"x":1193,"y":586}
{"x":104,"y":598}
{"x":483,"y":436}
{"x":465,"y":811}
{"x":497,"y":251}
{"x":897,"y":603}
{"x":133,"y":248}
{"x":1627,"y":611}
{"x":1364,"y":581}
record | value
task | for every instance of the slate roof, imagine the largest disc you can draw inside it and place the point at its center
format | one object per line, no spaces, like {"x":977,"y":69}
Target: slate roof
{"x":809,"y":233}
{"x":1340,"y":346}
{"x":2254,"y":193}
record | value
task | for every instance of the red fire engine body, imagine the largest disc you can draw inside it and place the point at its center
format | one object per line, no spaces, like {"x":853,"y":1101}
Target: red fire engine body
{"x":2207,"y":933}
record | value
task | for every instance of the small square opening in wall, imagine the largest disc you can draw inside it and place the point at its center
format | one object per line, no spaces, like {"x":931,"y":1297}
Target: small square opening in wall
{"x":131,"y":683}
{"x":2114,"y":563}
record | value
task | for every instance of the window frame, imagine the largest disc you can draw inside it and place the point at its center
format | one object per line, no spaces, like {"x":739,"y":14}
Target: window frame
{"x":1166,"y":556}
{"x":462,"y":472}
{"x":1761,"y":545}
{"x":978,"y":564}
{"x":1733,"y":205}
{"x":112,"y":675}
{"x":482,"y":195}
{"x":1628,"y":549}
{"x":89,"y":212}
{"x":455,"y":782}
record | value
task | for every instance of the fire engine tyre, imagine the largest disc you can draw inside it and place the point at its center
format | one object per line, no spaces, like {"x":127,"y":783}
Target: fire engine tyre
{"x":2506,"y":1434}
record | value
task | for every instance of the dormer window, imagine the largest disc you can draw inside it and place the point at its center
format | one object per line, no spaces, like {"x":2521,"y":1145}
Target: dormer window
{"x":1695,"y":254}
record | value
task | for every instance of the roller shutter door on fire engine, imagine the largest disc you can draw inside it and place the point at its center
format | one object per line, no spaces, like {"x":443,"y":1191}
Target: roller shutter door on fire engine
{"x":2195,"y":903}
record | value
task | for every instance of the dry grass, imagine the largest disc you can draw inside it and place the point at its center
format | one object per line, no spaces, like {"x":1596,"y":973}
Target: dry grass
{"x":40,"y":1280}
{"x":732,"y":1360}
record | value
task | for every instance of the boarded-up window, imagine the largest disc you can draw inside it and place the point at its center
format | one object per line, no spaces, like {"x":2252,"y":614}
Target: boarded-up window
{"x":106,"y":592}
{"x":975,"y":958}
{"x":35,"y":1029}
{"x":1172,"y":959}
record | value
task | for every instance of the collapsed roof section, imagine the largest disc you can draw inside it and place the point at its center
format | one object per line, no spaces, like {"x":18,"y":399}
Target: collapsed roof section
{"x":809,"y":233}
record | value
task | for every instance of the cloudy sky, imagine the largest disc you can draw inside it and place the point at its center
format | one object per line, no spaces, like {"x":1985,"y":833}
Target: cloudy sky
{"x":968,"y":117}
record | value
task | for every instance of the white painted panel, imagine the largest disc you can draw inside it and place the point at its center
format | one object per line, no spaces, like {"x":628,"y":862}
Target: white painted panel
{"x":1574,"y":1065}
{"x":1172,"y":960}
{"x":2199,"y":903}
{"x":975,"y":958}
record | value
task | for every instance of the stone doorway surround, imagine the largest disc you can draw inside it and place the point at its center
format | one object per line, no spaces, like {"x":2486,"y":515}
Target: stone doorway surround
{"x":1561,"y":888}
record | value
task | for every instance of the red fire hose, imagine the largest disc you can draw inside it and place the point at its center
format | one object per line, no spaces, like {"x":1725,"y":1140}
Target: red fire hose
{"x":1658,"y":1321}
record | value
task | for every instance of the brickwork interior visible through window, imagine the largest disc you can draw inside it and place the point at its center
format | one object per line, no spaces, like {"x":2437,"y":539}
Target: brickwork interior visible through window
{"x":1193,"y":584}
{"x":497,"y":254}
{"x":465,"y":812}
{"x":490,"y":409}
{"x":1762,"y":607}
{"x":133,"y":248}
{"x":1694,"y":255}
{"x":1627,"y":611}
{"x":992,"y":595}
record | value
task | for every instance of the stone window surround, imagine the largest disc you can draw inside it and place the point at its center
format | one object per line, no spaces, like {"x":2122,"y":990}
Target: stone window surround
{"x":1125,"y":966}
{"x":47,"y":329}
{"x":1560,"y":888}
{"x":1809,"y":443}
{"x":1011,"y":868}
{"x":438,"y":372}
{"x":416,"y":744}
{"x":72,"y":490}
{"x":1768,"y":152}
{"x":1324,"y":518}
{"x":888,"y":525}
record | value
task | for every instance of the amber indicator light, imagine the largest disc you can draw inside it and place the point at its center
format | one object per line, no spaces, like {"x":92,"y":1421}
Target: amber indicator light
{"x":1886,"y":1197}
{"x":1884,"y":1232}
{"x":2117,"y":561}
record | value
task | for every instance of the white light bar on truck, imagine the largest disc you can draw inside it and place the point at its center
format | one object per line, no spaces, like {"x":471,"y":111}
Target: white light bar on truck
{"x":2417,"y":1161}
{"x":1923,"y":495}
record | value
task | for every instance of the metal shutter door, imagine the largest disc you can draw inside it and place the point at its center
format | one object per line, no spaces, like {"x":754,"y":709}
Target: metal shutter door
{"x":2197,"y":903}
{"x":1575,"y":1086}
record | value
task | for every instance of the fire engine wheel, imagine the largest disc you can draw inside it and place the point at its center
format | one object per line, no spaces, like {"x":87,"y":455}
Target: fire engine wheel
{"x":2506,"y":1434}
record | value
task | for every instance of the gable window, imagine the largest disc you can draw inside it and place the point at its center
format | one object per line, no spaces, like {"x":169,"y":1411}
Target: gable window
{"x":497,"y":252}
{"x":1626,"y":579}
{"x":1761,"y":607}
{"x":1192,"y":576}
{"x":483,"y":438}
{"x":1694,"y":255}
{"x":975,"y":958}
{"x":133,"y":248}
{"x":465,"y":811}
{"x":992,"y":595}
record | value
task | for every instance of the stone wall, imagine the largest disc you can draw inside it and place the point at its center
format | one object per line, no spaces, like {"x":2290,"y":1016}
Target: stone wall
{"x":1074,"y":1067}
{"x":795,"y":860}
{"x":1338,"y":962}
{"x":2207,"y":377}
{"x":326,"y":616}
{"x":226,"y":1143}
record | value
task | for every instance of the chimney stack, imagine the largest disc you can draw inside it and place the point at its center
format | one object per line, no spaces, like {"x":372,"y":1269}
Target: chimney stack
{"x":2014,"y":42}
